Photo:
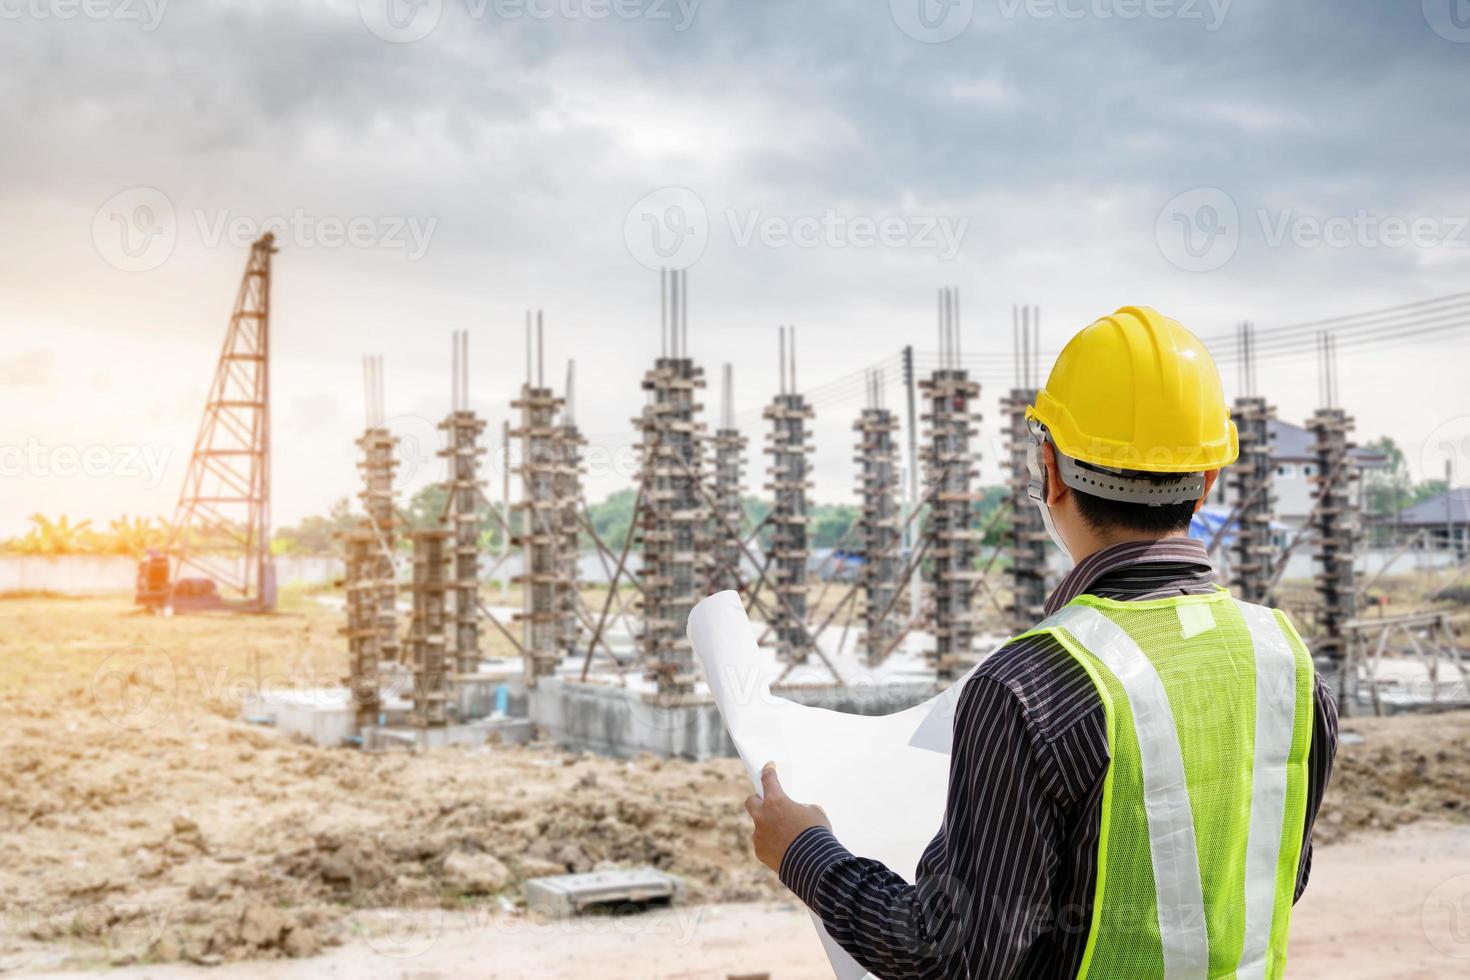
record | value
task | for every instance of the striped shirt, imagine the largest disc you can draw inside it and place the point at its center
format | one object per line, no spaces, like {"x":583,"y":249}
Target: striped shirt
{"x":1005,"y":889}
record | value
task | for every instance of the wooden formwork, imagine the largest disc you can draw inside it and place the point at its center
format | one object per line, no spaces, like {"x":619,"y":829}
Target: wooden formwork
{"x":673,"y":522}
{"x":789,"y":481}
{"x":729,"y":471}
{"x":1335,"y":526}
{"x":1026,"y":544}
{"x":950,"y":459}
{"x":429,"y":628}
{"x":540,"y":536}
{"x":879,"y":535}
{"x":567,"y":487}
{"x":1252,"y":553}
{"x":371,"y":578}
{"x":462,"y":451}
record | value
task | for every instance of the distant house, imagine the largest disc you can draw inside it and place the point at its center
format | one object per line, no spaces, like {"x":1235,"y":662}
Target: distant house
{"x":1295,"y":457}
{"x":1444,"y":521}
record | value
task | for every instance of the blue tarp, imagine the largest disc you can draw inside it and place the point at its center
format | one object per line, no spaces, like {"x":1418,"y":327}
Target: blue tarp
{"x":1207,"y":522}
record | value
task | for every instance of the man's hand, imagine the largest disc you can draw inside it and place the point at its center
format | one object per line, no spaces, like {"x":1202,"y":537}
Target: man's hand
{"x":778,"y":819}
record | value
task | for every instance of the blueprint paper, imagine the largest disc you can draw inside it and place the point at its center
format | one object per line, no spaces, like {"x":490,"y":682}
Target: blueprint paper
{"x":881,"y":779}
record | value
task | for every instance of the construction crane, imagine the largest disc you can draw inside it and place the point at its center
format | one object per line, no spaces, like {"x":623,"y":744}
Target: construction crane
{"x":218,"y":553}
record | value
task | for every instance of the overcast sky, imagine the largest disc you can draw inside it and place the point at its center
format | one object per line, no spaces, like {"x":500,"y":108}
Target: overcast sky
{"x":823,"y":164}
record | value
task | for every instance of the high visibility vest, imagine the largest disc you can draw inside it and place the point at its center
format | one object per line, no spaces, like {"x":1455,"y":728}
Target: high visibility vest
{"x":1209,"y":716}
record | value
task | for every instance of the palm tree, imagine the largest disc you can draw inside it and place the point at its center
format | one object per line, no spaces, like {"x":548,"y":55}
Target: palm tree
{"x":59,"y":537}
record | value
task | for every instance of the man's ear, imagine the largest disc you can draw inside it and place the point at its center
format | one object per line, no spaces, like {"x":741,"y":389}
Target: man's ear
{"x":1210,"y":477}
{"x":1056,"y":490}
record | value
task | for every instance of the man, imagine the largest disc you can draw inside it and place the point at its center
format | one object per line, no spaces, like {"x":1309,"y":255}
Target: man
{"x":1133,"y":783}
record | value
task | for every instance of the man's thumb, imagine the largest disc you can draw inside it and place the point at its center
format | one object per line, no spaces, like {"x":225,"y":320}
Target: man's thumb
{"x":770,"y":785}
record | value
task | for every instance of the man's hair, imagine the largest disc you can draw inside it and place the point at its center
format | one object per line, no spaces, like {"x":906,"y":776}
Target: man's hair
{"x":1102,"y":514}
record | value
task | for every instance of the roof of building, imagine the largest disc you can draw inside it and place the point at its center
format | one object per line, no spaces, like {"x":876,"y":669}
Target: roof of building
{"x":1452,"y":506}
{"x":1295,"y":443}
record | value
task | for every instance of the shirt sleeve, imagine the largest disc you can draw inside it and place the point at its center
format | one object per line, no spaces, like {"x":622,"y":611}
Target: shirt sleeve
{"x":983,"y":894}
{"x":1319,"y":771}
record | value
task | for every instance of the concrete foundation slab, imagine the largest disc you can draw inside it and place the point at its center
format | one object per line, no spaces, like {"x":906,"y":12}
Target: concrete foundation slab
{"x":627,"y":722}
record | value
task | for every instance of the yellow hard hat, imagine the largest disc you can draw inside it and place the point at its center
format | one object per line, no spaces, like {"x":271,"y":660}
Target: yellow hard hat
{"x":1136,"y":391}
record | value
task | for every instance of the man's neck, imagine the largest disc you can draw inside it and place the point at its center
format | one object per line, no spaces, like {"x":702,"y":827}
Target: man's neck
{"x":1095,"y":541}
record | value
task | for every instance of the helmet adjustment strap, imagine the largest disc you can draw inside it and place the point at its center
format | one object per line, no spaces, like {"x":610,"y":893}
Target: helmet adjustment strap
{"x":1105,"y":482}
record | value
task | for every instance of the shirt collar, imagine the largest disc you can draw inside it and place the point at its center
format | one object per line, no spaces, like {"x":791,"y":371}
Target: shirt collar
{"x":1110,"y":559}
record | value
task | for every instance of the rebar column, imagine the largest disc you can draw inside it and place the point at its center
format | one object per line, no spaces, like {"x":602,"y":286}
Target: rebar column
{"x":371,"y":580}
{"x":364,"y":659}
{"x":790,"y":479}
{"x":540,"y":536}
{"x":1027,"y":538}
{"x":378,"y":499}
{"x":671,"y":529}
{"x":429,"y":630}
{"x":729,"y":465}
{"x":879,"y":535}
{"x":950,"y":460}
{"x":462,"y":453}
{"x":567,"y":488}
{"x":1252,"y":568}
{"x":1335,"y":522}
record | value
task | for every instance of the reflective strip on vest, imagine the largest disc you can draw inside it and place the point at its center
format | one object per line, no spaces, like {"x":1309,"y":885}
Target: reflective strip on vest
{"x":1181,"y":904}
{"x":1276,"y":697}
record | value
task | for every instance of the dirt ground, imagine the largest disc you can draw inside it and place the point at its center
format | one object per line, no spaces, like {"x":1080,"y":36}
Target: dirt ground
{"x":144,"y":823}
